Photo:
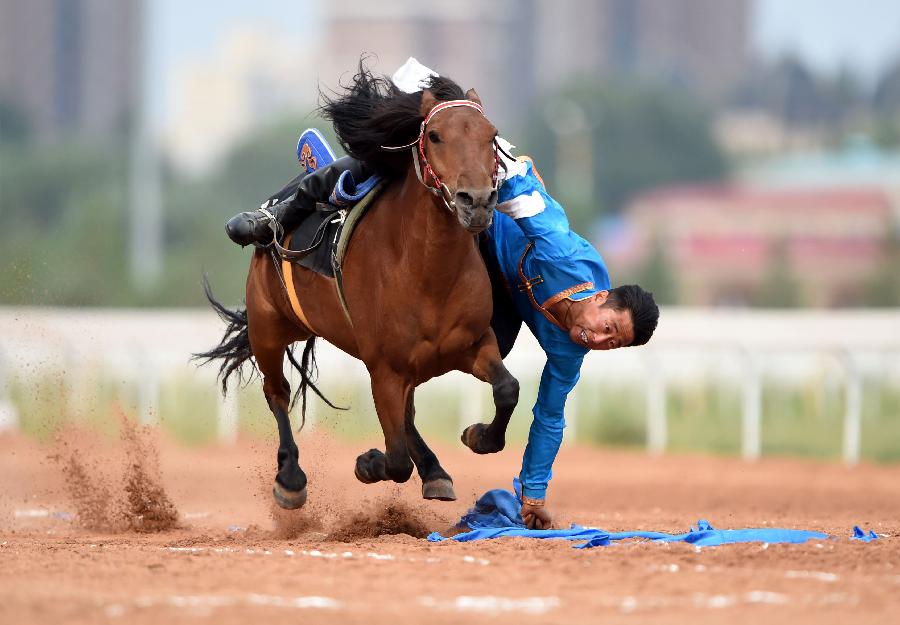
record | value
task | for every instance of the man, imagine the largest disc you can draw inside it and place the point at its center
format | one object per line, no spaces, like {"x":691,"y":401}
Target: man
{"x":542,"y":274}
{"x":556,"y":283}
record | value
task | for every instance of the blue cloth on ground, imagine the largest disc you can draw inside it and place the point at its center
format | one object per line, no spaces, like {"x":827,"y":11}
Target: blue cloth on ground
{"x":859,"y":534}
{"x":497,"y":514}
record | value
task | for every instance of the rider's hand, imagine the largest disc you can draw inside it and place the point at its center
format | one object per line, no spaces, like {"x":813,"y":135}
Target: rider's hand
{"x":536,"y":517}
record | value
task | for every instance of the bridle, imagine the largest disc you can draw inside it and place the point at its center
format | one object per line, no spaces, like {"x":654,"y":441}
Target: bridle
{"x":417,"y":147}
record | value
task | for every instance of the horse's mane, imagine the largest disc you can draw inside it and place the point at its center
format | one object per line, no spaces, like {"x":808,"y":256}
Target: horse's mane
{"x":374,"y":112}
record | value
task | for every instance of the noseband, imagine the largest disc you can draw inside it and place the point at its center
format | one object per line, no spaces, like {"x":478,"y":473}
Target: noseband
{"x":417,"y":147}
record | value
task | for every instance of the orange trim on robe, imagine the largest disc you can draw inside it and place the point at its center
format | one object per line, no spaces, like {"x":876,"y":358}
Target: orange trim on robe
{"x":544,"y":308}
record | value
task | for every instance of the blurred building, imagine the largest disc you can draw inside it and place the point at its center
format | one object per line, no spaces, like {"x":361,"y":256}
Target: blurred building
{"x":702,"y":45}
{"x":725,"y":244}
{"x":486,"y":45}
{"x":513,"y":50}
{"x":71,"y":66}
{"x":252,"y":79}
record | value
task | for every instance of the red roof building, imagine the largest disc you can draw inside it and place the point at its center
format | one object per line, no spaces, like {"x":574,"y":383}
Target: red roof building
{"x":723,"y":242}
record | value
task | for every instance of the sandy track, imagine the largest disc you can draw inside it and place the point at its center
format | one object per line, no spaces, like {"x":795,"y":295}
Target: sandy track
{"x":231,"y":560}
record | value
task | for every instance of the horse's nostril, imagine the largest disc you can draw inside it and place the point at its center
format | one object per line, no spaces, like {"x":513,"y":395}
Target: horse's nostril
{"x":464,"y":200}
{"x":492,"y":199}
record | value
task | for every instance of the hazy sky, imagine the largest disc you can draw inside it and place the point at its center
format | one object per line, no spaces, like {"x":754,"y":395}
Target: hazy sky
{"x":864,"y":34}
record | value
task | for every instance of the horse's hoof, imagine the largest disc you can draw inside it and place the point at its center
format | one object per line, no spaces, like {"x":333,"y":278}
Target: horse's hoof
{"x":474,"y":438}
{"x":368,"y":465}
{"x":288,"y":499}
{"x":440,"y":489}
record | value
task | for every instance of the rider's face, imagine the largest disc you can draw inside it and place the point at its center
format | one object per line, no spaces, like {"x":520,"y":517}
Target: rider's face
{"x":596,"y":326}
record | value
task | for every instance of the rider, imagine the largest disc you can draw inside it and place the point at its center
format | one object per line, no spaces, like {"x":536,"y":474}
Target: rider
{"x":541,"y":273}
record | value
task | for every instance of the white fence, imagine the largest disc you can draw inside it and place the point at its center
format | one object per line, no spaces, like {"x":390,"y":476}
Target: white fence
{"x":738,"y":346}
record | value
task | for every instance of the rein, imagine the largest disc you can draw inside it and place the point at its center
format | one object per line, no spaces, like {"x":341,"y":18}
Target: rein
{"x":420,"y":161}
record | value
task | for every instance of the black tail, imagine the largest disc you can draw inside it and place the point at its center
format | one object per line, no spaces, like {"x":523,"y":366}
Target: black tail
{"x":234,"y":351}
{"x":308,"y":373}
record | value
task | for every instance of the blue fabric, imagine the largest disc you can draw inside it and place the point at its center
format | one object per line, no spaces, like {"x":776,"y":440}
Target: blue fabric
{"x":859,"y":534}
{"x":347,"y":192}
{"x":313,"y":151}
{"x":558,"y":261}
{"x":497,"y":514}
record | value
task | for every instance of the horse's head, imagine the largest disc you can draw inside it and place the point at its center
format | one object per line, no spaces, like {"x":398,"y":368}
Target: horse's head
{"x":458,"y":155}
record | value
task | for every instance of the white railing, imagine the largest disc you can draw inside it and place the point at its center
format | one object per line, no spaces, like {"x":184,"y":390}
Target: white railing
{"x":738,"y":346}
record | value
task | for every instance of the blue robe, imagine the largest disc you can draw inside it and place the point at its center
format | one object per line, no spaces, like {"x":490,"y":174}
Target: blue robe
{"x":543,"y":261}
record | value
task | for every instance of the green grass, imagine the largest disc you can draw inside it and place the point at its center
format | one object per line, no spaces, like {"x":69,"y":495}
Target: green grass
{"x":881,"y":423}
{"x":704,"y":417}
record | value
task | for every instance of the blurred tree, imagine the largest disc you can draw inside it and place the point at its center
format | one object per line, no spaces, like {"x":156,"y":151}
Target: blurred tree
{"x":804,"y":100}
{"x":657,"y":276}
{"x":66,"y":225}
{"x":886,"y":99}
{"x":780,"y":288}
{"x":883,"y":290}
{"x":15,"y":128}
{"x":886,"y":132}
{"x":639,"y":136}
{"x":65,"y":210}
{"x":197,"y":209}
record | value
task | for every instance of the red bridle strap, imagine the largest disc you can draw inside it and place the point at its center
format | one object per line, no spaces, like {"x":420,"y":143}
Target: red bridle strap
{"x":423,"y":168}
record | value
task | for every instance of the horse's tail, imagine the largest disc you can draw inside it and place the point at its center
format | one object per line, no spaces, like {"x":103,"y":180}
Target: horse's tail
{"x":234,"y":349}
{"x":308,"y":372}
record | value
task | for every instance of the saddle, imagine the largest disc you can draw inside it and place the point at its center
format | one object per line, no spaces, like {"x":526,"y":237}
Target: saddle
{"x":321,"y":238}
{"x":320,"y":242}
{"x":315,"y":241}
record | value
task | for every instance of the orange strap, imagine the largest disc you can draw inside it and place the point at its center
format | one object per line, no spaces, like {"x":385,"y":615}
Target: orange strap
{"x":287,"y":268}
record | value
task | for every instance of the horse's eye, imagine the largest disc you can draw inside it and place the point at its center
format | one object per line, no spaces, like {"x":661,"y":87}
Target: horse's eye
{"x":434,"y":137}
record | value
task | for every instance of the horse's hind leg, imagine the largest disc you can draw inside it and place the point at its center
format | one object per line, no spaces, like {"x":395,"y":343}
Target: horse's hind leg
{"x":436,"y":482}
{"x":269,"y":337}
{"x":486,"y":365}
{"x":390,"y":393}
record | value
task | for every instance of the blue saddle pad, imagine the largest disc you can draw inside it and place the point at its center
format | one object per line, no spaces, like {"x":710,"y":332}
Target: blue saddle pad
{"x":347,"y":192}
{"x":313,"y":151}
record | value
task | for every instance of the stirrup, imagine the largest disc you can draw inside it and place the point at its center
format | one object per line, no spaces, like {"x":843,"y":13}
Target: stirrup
{"x":274,"y":226}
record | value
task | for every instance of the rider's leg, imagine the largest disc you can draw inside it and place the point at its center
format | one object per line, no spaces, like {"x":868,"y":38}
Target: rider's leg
{"x":292,"y":203}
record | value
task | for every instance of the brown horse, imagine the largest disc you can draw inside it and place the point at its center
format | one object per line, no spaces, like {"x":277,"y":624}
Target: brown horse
{"x":416,"y":288}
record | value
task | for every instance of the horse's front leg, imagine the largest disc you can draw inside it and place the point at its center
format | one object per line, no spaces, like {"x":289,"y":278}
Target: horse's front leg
{"x":390,"y":393}
{"x":486,"y":364}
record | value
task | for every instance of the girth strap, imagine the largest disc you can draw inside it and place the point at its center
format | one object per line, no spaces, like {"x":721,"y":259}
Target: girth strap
{"x":349,"y":219}
{"x":287,"y":268}
{"x":354,"y":215}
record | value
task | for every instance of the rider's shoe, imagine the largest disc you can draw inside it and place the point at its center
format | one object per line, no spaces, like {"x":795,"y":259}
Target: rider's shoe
{"x":299,"y":199}
{"x":253,"y":226}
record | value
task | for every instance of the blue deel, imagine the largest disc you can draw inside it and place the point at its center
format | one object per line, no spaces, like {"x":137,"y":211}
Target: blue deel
{"x":558,"y":263}
{"x":496,"y":514}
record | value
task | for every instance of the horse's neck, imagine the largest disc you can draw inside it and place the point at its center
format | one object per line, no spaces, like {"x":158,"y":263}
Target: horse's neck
{"x":433,"y":240}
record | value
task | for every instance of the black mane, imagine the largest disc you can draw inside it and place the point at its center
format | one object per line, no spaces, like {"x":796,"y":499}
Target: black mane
{"x":373,"y":112}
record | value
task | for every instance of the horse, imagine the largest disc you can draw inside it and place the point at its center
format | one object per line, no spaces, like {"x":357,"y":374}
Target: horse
{"x":417,"y":293}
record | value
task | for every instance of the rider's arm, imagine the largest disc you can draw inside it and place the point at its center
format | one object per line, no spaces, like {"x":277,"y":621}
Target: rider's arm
{"x":546,"y":433}
{"x":541,"y":218}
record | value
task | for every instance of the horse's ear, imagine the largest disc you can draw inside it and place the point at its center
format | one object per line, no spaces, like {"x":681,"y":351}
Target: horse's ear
{"x":428,"y":102}
{"x":473,"y":96}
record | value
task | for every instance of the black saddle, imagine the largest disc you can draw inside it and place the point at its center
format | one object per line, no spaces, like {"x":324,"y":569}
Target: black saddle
{"x":318,"y":234}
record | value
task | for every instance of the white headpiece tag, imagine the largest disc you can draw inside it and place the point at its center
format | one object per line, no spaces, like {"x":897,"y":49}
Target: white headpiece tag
{"x":410,"y":76}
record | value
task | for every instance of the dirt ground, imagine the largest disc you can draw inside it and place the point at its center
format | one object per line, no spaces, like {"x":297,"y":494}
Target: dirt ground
{"x":232,"y":558}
